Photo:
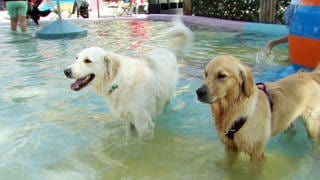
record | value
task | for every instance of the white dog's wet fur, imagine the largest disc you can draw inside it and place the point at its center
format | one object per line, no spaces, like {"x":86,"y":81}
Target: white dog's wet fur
{"x":135,"y":89}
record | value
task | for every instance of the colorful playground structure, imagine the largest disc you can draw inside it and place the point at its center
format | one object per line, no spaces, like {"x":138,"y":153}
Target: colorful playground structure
{"x":304,"y":38}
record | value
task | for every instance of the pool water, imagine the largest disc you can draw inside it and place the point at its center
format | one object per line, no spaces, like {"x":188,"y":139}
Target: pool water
{"x":48,"y":131}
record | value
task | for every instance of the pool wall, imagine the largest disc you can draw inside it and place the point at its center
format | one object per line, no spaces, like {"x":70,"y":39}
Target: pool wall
{"x":241,"y":26}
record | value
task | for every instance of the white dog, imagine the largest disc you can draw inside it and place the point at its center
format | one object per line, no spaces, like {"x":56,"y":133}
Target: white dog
{"x":135,"y":89}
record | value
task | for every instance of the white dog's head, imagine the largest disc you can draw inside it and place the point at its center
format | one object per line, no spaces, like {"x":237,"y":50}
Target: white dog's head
{"x":93,"y":66}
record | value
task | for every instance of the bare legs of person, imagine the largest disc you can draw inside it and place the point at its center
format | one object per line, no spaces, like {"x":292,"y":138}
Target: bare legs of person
{"x":14,"y":23}
{"x":272,"y":43}
{"x":21,"y":21}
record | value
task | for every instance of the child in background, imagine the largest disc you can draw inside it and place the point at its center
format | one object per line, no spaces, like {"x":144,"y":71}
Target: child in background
{"x":17,"y":10}
{"x":288,"y":15}
{"x":82,"y":7}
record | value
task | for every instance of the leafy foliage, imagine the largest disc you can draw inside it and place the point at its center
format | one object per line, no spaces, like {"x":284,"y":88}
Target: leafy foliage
{"x":281,"y":7}
{"x":242,"y":10}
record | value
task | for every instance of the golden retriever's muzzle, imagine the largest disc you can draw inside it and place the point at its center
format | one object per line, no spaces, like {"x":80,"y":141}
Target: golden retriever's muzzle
{"x":202,"y":94}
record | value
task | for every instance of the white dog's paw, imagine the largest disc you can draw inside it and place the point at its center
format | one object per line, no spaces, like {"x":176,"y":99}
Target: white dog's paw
{"x":145,"y":130}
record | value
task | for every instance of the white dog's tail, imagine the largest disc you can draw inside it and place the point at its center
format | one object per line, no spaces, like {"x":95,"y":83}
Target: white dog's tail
{"x":179,"y":36}
{"x":316,"y":74}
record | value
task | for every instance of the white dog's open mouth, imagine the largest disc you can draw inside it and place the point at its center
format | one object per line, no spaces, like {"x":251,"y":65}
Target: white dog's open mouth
{"x":82,"y":82}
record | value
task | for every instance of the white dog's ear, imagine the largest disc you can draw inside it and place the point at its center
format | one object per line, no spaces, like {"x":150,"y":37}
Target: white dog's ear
{"x":112,"y":66}
{"x":247,"y":81}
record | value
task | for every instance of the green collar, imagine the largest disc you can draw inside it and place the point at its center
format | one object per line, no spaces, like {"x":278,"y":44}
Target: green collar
{"x":112,"y":88}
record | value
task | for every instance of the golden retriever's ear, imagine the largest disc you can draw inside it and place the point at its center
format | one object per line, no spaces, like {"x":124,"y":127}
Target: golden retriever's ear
{"x":112,"y":66}
{"x":247,"y":81}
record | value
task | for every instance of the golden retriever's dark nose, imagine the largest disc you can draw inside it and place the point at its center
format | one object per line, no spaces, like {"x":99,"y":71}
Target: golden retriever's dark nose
{"x":202,"y":91}
{"x":68,"y":72}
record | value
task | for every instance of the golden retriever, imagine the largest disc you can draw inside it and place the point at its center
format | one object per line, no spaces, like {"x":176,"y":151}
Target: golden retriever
{"x":246,"y":115}
{"x":135,"y":89}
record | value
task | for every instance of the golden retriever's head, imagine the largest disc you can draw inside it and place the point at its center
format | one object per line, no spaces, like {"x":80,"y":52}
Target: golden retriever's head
{"x":225,"y":77}
{"x":93,"y":66}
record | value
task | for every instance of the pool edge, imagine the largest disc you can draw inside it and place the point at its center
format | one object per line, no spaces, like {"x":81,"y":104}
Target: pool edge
{"x":241,"y":26}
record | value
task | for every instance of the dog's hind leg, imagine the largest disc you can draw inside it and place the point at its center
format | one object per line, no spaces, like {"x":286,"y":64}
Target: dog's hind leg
{"x":313,"y":128}
{"x":311,"y":119}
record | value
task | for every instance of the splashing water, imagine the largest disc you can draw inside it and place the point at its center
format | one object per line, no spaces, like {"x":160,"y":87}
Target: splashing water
{"x":262,"y":58}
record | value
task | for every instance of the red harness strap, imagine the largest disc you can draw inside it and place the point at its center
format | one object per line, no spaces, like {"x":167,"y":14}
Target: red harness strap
{"x":263,"y":88}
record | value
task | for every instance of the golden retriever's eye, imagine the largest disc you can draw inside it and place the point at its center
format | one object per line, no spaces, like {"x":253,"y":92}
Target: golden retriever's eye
{"x":221,"y":76}
{"x":87,"y":61}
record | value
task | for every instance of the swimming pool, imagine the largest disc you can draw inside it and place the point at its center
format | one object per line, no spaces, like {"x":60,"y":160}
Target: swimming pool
{"x":51,"y":132}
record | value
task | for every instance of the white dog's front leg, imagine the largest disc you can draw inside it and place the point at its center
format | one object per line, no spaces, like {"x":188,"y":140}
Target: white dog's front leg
{"x":144,"y":126}
{"x":130,"y":129}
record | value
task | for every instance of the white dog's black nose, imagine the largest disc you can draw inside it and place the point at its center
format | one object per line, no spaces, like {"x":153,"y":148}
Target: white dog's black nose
{"x":68,"y":72}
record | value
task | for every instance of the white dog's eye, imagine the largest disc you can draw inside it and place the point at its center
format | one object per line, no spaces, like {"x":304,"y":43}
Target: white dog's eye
{"x":87,"y":61}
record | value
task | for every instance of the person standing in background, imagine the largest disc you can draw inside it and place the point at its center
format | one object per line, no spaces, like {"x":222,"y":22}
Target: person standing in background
{"x":82,"y":8}
{"x":17,"y":10}
{"x":288,"y":15}
{"x":2,"y":7}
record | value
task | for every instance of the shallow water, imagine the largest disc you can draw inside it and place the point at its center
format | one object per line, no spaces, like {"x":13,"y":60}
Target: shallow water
{"x":48,"y":131}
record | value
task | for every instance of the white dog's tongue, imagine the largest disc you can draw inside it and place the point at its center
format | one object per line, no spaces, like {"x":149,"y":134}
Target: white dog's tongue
{"x":82,"y":82}
{"x":78,"y":84}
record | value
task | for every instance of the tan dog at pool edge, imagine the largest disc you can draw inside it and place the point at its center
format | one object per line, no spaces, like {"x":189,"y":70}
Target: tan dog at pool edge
{"x":135,"y":89}
{"x":246,"y":115}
